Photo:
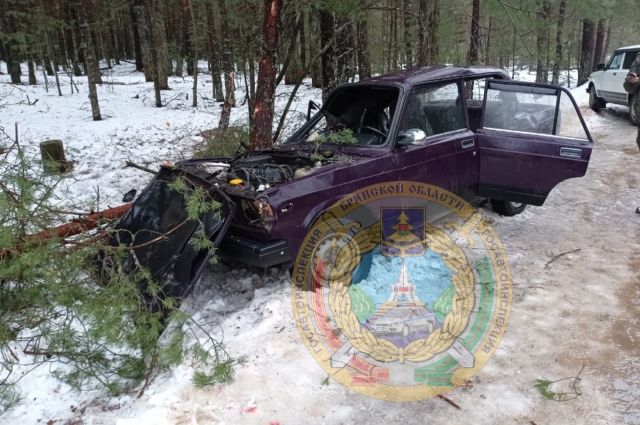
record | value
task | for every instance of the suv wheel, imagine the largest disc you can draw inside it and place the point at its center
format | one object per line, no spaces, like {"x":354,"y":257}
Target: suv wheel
{"x":596,"y":103}
{"x":634,"y":117}
{"x":507,"y":208}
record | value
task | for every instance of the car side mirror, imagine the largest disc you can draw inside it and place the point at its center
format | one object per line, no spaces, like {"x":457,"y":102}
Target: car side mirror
{"x":413,"y":136}
{"x":313,"y":106}
{"x":600,"y":67}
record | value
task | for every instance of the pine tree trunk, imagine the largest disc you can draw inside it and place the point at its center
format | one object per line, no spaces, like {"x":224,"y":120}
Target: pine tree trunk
{"x":137,"y":47}
{"x":407,"y":31}
{"x":364,"y":60}
{"x":487,"y":47}
{"x":11,"y":52}
{"x":606,"y":41}
{"x":261,"y":130}
{"x":597,"y":54}
{"x":329,"y":62}
{"x":86,"y":47}
{"x":32,"y":73}
{"x":433,"y":51}
{"x":227,"y":65}
{"x":344,"y":51}
{"x":159,"y":50}
{"x":314,"y":46}
{"x":558,"y":53}
{"x":474,"y":38}
{"x":214,"y":55}
{"x":542,"y":42}
{"x":144,"y":36}
{"x":586,"y":51}
{"x":393,"y":42}
{"x":423,"y":33}
{"x":303,"y":41}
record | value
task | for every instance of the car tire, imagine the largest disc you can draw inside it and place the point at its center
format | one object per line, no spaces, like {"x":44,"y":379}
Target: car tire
{"x":507,"y":208}
{"x":633,"y":112}
{"x":595,"y":103}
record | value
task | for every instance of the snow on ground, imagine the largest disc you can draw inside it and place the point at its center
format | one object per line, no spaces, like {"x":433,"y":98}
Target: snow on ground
{"x":132,"y":127}
{"x":580,"y":310}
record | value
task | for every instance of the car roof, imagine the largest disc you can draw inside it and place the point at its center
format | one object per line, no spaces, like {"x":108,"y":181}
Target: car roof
{"x":415,"y":76}
{"x":634,"y":47}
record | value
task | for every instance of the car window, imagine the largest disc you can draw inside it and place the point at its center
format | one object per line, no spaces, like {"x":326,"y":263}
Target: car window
{"x":434,"y":110}
{"x":516,"y":111}
{"x":569,"y":124}
{"x":357,"y":114}
{"x":629,"y":57}
{"x":616,"y":61}
{"x":532,"y":110}
{"x":474,"y":90}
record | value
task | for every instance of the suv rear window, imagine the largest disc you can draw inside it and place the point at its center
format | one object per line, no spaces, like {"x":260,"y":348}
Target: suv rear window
{"x":629,"y":57}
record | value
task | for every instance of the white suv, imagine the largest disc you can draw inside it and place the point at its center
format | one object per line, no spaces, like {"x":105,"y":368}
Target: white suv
{"x":605,"y":84}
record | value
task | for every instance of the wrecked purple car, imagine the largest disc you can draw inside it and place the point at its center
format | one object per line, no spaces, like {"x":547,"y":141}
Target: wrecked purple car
{"x":471,"y":131}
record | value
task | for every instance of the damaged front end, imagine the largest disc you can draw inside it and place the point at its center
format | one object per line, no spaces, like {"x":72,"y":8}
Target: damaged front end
{"x":162,"y":238}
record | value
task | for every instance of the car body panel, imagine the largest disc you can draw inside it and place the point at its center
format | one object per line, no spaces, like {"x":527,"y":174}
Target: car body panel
{"x":272,"y":220}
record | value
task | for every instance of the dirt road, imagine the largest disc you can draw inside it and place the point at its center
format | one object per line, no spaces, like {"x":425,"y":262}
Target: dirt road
{"x":571,"y":312}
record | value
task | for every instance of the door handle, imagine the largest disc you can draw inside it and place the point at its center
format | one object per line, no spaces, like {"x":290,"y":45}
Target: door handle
{"x":469,"y":143}
{"x":571,"y":152}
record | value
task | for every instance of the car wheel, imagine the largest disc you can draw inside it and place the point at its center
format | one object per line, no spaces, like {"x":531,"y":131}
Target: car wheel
{"x":507,"y":208}
{"x":595,"y":103}
{"x":633,"y":110}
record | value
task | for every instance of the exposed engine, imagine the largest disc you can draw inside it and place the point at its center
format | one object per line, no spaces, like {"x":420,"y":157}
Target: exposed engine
{"x":260,"y":172}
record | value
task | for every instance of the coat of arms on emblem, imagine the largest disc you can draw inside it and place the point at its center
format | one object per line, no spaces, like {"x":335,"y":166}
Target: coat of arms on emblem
{"x":402,"y":232}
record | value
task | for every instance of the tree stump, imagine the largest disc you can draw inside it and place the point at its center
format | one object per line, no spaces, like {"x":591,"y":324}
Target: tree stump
{"x":53,"y":159}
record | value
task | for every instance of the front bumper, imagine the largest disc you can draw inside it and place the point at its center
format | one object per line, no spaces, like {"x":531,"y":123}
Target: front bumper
{"x":255,"y":253}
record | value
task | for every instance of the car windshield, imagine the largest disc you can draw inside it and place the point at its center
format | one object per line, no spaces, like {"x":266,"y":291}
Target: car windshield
{"x":354,"y":115}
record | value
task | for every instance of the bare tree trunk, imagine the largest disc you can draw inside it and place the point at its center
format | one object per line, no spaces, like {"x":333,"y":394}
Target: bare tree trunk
{"x":487,"y":47}
{"x":329,"y":62}
{"x":408,"y":30}
{"x":423,"y":33}
{"x":227,"y":65}
{"x":597,"y":54}
{"x":261,"y":131}
{"x":32,"y":73}
{"x":393,"y":40}
{"x":214,"y":55}
{"x":558,"y":56}
{"x":586,"y":51}
{"x":159,"y":44}
{"x":605,"y":50}
{"x":144,"y":36}
{"x":344,"y":51}
{"x":364,"y":60}
{"x":433,"y":50}
{"x":86,"y":47}
{"x":193,"y":52}
{"x":542,"y":42}
{"x":474,"y":37}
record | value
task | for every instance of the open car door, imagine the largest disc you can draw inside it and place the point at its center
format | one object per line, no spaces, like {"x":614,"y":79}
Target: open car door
{"x":532,"y":137}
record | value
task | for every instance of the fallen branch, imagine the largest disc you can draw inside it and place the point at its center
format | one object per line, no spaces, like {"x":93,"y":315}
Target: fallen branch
{"x":546,"y":266}
{"x":448,"y":400}
{"x":63,"y":231}
{"x":129,"y":163}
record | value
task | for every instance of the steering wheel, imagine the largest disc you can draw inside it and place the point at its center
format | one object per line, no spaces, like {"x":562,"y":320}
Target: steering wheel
{"x":372,"y":130}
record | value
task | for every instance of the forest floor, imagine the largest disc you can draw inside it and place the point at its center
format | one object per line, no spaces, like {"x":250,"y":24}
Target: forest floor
{"x":569,"y":311}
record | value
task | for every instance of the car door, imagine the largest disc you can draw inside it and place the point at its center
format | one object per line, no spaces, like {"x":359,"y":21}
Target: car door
{"x":613,"y":78}
{"x":532,"y":138}
{"x":438,"y":111}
